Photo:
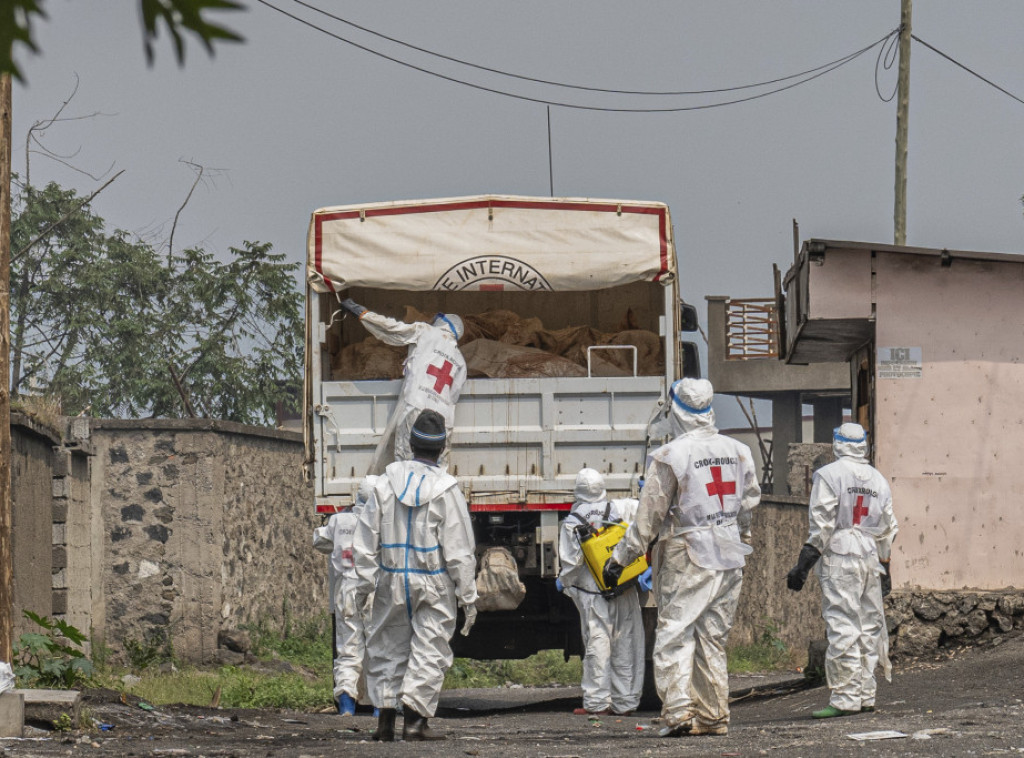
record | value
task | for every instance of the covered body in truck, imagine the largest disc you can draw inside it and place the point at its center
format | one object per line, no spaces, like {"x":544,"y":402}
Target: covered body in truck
{"x":572,"y":339}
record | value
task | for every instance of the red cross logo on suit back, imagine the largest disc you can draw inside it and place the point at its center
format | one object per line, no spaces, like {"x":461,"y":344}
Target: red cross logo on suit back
{"x":859,"y":510}
{"x":717,"y":487}
{"x":442,"y":375}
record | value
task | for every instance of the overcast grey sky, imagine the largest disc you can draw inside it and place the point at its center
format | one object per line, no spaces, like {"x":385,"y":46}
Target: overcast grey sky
{"x":298,"y":120}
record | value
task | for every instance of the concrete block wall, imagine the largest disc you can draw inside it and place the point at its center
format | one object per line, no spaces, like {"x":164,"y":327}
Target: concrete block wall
{"x":52,"y":527}
{"x":208,"y":526}
{"x":33,"y":531}
{"x":77,"y":595}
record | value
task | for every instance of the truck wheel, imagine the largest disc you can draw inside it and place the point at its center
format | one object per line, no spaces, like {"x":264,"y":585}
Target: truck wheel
{"x":649,"y":700}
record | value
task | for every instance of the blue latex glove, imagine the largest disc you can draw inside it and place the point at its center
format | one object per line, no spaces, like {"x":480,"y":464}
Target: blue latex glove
{"x":558,"y":585}
{"x":645,"y":580}
{"x":353,"y":307}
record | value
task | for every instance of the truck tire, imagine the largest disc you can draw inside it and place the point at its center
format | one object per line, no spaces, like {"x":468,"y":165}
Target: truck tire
{"x":649,"y":700}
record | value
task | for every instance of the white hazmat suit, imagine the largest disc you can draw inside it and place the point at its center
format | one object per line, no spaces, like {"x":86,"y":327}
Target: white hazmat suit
{"x":434,"y":372}
{"x":852,"y":526}
{"x":697,"y":496}
{"x":414,"y":544}
{"x":336,"y":537}
{"x":613,"y":634}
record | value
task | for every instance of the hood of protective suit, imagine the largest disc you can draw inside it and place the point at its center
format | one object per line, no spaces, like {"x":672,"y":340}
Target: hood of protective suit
{"x":691,"y":406}
{"x":365,"y":489}
{"x":850,"y":441}
{"x":452,"y":322}
{"x":416,"y":483}
{"x":589,"y":487}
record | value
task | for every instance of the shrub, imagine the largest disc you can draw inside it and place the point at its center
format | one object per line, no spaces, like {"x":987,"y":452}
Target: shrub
{"x":53,"y":657}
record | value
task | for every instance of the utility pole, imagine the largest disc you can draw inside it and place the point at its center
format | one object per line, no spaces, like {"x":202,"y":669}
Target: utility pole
{"x":902,"y":114}
{"x":6,"y":553}
{"x":551,"y":160}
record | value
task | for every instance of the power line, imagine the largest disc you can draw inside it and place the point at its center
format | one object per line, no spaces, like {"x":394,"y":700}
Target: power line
{"x":552,"y":83}
{"x":886,"y":58}
{"x":965,"y":68}
{"x":828,"y":69}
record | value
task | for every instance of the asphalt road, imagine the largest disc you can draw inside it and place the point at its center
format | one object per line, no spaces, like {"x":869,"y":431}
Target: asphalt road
{"x":967,"y":703}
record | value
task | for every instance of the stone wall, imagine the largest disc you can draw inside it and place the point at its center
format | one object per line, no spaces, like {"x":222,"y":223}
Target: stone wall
{"x":175,"y":530}
{"x":804,"y":459}
{"x":921,"y":622}
{"x":208,"y":526}
{"x":779,"y":529}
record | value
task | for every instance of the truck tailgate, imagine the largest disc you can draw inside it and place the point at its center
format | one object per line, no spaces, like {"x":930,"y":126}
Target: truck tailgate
{"x":515,"y":440}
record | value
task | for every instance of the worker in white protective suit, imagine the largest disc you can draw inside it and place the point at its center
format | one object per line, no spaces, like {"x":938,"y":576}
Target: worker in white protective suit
{"x":852,"y":528}
{"x":698,"y":492}
{"x":335,"y":538}
{"x":434,"y":372}
{"x":414,"y":544}
{"x":613,"y":633}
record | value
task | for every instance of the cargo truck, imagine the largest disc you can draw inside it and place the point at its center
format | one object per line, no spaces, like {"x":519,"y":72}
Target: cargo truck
{"x":574,"y":332}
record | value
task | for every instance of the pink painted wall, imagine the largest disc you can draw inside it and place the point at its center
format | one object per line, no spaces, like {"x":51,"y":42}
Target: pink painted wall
{"x":841,"y":287}
{"x":952,"y":441}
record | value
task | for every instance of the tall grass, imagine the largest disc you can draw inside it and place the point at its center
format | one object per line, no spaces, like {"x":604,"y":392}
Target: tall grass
{"x":768,"y":653}
{"x":305,"y":648}
{"x":302,"y":648}
{"x":547,"y":667}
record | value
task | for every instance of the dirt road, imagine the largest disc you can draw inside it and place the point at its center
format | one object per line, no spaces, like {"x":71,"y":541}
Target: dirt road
{"x":968,"y":704}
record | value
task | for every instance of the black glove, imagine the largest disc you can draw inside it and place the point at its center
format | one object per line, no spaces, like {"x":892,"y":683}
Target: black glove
{"x":886,"y":579}
{"x":353,"y":307}
{"x":611,"y":573}
{"x":797,"y":575}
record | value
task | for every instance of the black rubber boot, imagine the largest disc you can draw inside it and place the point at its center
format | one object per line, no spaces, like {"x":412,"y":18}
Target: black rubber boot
{"x":415,"y":728}
{"x":385,"y":725}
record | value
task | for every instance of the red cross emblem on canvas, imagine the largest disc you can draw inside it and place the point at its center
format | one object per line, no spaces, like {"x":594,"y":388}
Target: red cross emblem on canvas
{"x":442,"y":375}
{"x":859,"y":511}
{"x":717,"y":487}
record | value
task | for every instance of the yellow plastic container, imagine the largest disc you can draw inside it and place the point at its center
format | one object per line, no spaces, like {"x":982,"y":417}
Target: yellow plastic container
{"x":597,"y":549}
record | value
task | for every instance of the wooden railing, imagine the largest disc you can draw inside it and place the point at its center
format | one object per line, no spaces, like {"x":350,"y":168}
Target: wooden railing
{"x":751,"y":329}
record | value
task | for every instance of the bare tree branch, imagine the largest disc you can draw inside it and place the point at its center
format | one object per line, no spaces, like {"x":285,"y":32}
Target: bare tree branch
{"x":75,"y":168}
{"x":199,"y":176}
{"x":181,"y":390}
{"x":42,"y":126}
{"x":201,"y":171}
{"x":44,"y":150}
{"x":39,"y":127}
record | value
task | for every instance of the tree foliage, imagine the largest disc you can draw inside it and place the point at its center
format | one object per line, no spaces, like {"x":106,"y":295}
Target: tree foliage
{"x":112,"y":327}
{"x":178,"y":16}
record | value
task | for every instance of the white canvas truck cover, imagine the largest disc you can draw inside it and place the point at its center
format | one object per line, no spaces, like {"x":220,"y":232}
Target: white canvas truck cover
{"x":490,"y":242}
